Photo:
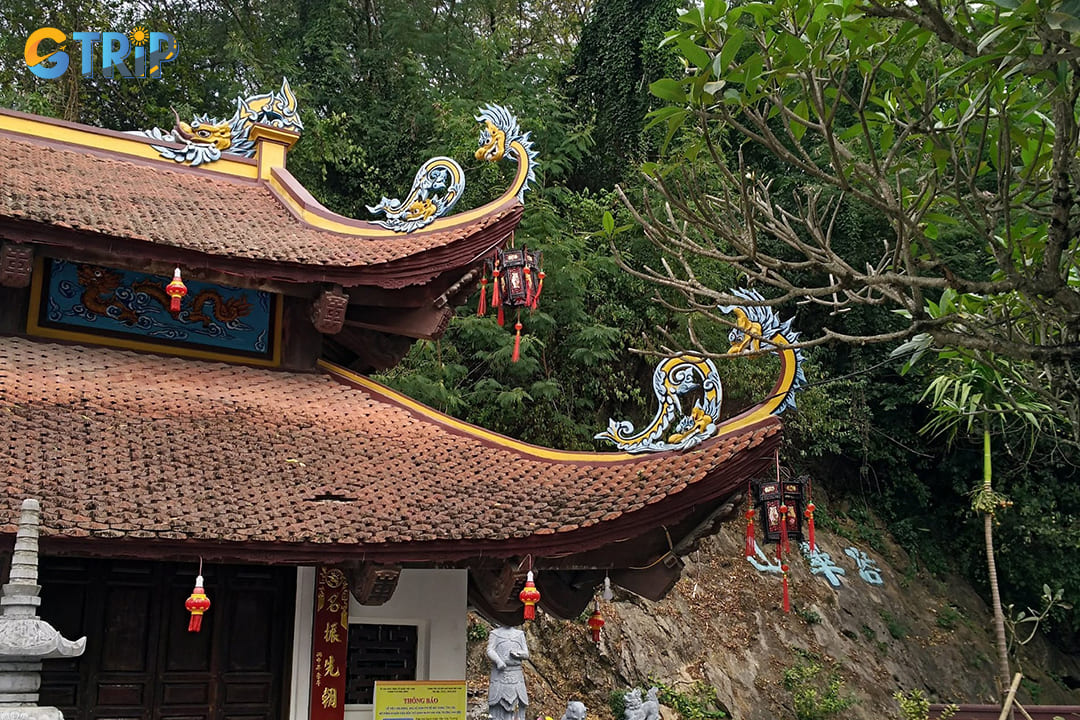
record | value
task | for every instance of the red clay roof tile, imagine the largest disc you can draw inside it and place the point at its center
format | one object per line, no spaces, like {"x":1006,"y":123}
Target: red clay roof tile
{"x":119,"y":444}
{"x":211,"y":214}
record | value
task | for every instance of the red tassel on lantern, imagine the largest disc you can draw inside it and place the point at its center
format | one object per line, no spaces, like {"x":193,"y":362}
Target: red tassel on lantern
{"x":783,"y":529}
{"x":481,"y":307}
{"x":496,"y":295}
{"x":175,"y":290}
{"x":751,"y":547}
{"x":197,"y":604}
{"x":596,"y":622}
{"x":787,"y":597}
{"x":530,"y":596}
{"x":517,"y":342}
{"x":810,"y":525}
{"x":539,"y":289}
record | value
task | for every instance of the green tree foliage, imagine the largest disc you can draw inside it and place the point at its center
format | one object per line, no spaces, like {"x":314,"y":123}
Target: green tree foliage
{"x":865,"y":157}
{"x":384,"y":86}
{"x":618,"y":57}
{"x":953,"y":123}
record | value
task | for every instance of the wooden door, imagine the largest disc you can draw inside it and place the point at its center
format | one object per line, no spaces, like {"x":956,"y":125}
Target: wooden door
{"x":142,"y":663}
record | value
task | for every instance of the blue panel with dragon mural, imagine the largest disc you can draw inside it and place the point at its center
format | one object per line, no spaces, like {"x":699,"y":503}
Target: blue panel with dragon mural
{"x":117,"y":303}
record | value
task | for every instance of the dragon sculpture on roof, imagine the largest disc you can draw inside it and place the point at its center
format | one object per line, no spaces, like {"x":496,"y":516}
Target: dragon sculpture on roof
{"x":757,"y":329}
{"x":440,"y":182}
{"x":437,"y":187}
{"x":204,"y":139}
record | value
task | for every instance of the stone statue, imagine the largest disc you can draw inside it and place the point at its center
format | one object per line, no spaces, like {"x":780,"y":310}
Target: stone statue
{"x":638,"y":709}
{"x":507,"y":698}
{"x":575,"y":710}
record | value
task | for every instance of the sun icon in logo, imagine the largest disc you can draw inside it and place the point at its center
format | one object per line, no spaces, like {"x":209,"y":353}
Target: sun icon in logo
{"x":139,"y":35}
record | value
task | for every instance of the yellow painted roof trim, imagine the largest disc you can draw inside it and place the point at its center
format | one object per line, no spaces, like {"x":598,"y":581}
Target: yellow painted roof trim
{"x":754,"y":415}
{"x":137,"y":146}
{"x":287,"y":190}
{"x":312,"y":212}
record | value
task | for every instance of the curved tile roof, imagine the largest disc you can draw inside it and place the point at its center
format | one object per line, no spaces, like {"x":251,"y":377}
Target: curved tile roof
{"x":192,"y":212}
{"x":123,"y":445}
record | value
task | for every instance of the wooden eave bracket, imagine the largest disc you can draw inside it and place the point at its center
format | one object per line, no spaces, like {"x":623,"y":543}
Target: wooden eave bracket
{"x":372,"y":584}
{"x":16,"y":264}
{"x":329,"y":309}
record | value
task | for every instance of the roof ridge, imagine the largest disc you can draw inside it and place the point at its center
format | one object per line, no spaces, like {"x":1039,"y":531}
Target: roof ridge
{"x":125,"y":146}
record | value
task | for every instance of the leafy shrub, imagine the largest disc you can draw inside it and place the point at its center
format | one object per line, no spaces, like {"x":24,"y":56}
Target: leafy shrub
{"x":895,"y":626}
{"x":948,"y":617}
{"x":817,"y":690}
{"x":617,"y":703}
{"x":915,"y":706}
{"x":699,"y":703}
{"x":476,"y":631}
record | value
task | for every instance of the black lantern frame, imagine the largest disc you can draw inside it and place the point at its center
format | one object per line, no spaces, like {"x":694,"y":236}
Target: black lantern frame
{"x":519,"y":276}
{"x":769,"y":495}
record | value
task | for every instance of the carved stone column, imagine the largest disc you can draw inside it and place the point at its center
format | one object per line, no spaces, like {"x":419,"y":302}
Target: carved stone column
{"x":26,"y":639}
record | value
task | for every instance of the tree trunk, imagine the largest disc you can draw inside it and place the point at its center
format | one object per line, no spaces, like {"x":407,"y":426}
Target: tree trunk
{"x":991,"y":568}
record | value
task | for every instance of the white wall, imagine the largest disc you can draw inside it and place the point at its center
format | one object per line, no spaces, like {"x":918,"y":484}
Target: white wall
{"x":433,"y":600}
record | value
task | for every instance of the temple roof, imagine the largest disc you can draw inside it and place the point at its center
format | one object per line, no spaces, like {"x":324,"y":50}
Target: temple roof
{"x":142,"y":449}
{"x":235,"y":215}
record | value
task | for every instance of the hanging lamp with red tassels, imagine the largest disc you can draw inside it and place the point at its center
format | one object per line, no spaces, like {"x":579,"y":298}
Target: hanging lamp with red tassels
{"x":783,"y":503}
{"x":197,"y":603}
{"x":751,"y":543}
{"x":787,"y":595}
{"x":517,"y":280}
{"x":176,"y":290}
{"x":770,"y":497}
{"x":596,"y":622}
{"x":530,"y":596}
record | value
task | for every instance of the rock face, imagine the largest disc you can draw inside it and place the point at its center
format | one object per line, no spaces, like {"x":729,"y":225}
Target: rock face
{"x":723,"y":628}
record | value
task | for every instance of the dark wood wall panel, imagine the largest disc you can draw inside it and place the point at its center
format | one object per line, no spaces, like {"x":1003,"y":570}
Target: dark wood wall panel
{"x":142,"y":663}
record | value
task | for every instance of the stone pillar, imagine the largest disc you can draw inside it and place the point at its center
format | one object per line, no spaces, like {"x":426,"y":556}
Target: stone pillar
{"x":26,"y":639}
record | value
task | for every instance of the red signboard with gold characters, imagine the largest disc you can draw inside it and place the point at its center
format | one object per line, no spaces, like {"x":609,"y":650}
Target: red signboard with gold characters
{"x":329,"y":645}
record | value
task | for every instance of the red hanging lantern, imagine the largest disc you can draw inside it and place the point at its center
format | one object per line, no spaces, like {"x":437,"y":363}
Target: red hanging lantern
{"x":596,"y":622}
{"x":176,"y":290}
{"x":197,"y":604}
{"x":530,"y":596}
{"x":810,"y":526}
{"x":517,"y":281}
